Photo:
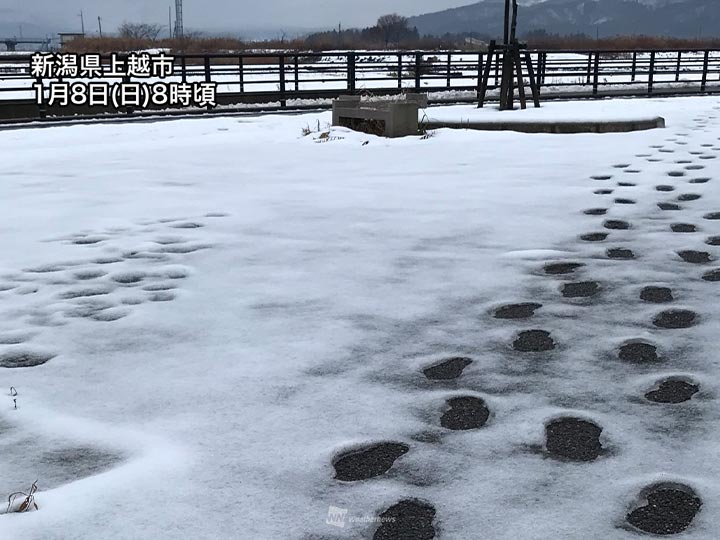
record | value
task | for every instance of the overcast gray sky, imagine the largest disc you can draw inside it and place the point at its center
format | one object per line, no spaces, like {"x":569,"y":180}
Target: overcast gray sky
{"x":216,"y":14}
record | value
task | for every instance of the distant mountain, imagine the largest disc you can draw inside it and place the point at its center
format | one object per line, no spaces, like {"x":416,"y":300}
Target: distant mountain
{"x":679,"y":18}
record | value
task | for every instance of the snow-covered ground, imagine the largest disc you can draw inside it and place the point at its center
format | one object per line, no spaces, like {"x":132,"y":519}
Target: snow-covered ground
{"x":218,"y":308}
{"x":605,"y":110}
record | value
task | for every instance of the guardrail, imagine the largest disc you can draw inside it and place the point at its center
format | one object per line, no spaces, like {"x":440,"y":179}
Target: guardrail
{"x":295,"y":80}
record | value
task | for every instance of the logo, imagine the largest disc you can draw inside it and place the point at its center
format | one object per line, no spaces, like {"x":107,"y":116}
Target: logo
{"x":336,"y":516}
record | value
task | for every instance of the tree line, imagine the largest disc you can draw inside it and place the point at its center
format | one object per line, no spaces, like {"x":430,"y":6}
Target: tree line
{"x":391,"y":31}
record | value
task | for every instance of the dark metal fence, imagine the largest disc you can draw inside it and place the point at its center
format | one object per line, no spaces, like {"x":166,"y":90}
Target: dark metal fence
{"x":294,"y":80}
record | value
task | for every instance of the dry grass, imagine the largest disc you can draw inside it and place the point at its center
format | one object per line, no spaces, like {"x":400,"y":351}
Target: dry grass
{"x":618,"y":43}
{"x":317,"y":43}
{"x":20,"y":502}
{"x":189,"y":45}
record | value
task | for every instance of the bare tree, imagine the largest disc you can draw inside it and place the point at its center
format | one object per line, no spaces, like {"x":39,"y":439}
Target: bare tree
{"x":393,"y":27}
{"x":140,"y":30}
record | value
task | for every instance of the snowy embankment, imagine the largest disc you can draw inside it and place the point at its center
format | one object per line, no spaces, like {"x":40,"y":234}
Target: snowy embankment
{"x":211,"y":311}
{"x":608,"y":110}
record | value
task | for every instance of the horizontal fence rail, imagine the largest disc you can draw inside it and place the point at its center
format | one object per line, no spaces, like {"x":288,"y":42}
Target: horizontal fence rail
{"x":295,"y":80}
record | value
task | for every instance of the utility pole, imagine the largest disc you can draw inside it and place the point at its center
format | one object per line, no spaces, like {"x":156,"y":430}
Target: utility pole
{"x":82,"y":22}
{"x":170,"y":28}
{"x":179,"y":30}
{"x":100,"y":25}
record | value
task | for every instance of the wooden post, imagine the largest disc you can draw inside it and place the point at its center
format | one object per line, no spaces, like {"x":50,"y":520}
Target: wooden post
{"x":518,"y":72}
{"x":589,"y":68}
{"x":449,"y":66}
{"x":506,"y":25}
{"x":125,"y":80}
{"x":297,"y":74}
{"x":506,"y":89}
{"x":534,"y":86}
{"x":705,"y":71}
{"x":596,"y":73}
{"x":677,"y":67}
{"x":208,"y":77}
{"x":418,"y":67}
{"x":283,"y":99}
{"x":513,"y":81}
{"x":634,"y":67}
{"x":241,"y":71}
{"x":399,"y":70}
{"x":351,"y":73}
{"x":479,"y":73}
{"x":486,"y":74}
{"x":513,"y":24}
{"x":510,"y":65}
{"x":651,"y":74}
{"x":40,"y":92}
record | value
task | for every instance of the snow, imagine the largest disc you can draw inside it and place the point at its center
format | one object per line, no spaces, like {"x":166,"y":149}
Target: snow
{"x":306,"y":284}
{"x":553,"y":111}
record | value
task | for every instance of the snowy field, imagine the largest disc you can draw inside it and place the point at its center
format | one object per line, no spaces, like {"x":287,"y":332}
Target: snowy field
{"x":221,"y":328}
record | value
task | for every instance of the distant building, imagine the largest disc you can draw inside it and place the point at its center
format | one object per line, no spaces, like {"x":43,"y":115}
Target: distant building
{"x":66,"y":37}
{"x":474,"y":42}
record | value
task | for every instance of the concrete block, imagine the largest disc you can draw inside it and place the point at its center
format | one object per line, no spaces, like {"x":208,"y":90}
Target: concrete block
{"x":392,"y":118}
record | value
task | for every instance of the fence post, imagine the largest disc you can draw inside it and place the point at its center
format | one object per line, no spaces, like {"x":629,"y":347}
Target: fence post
{"x":283,"y":98}
{"x":125,"y":80}
{"x":497,"y":69}
{"x":449,"y":62}
{"x":539,"y":73}
{"x":418,"y":64}
{"x":544,"y":67}
{"x":399,"y":70}
{"x":207,"y":68}
{"x":183,"y":64}
{"x":651,"y":74}
{"x":677,"y":67}
{"x":589,"y":68}
{"x":40,"y":93}
{"x":351,"y":73}
{"x":596,"y":73}
{"x":480,"y":72}
{"x":241,"y":70}
{"x":208,"y":76}
{"x":634,"y":67}
{"x":705,"y":71}
{"x":297,"y":73}
{"x":534,"y":84}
